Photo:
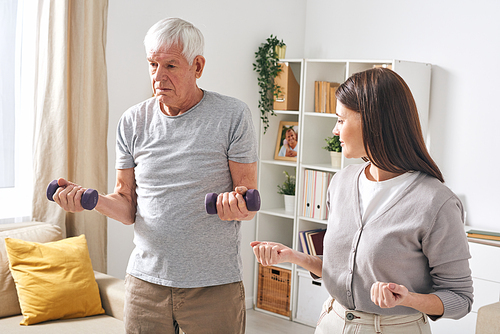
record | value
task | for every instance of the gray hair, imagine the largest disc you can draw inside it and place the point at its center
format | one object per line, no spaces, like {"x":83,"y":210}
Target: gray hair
{"x":175,"y":31}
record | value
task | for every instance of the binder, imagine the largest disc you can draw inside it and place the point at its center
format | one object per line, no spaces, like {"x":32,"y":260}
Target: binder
{"x":308,"y":210}
{"x":288,"y":99}
{"x":322,"y":181}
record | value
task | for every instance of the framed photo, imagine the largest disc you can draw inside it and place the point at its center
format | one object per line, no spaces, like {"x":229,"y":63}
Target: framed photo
{"x":287,"y":144}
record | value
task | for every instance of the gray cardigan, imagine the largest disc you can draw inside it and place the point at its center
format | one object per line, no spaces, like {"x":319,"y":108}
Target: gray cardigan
{"x":418,"y":241}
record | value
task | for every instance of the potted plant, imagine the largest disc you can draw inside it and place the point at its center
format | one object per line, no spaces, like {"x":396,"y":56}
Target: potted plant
{"x":287,"y":189}
{"x":267,"y":67}
{"x":335,"y":149}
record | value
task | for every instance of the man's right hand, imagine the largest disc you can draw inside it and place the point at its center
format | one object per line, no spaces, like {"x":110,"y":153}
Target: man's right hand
{"x":69,"y":195}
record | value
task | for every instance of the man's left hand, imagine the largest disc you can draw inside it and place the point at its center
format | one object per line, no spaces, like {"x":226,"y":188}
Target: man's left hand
{"x":232,"y":205}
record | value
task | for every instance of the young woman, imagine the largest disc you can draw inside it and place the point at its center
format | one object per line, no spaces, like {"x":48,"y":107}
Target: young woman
{"x":395,"y":251}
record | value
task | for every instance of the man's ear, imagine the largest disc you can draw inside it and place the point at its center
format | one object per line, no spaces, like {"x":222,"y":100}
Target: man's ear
{"x":199,"y":63}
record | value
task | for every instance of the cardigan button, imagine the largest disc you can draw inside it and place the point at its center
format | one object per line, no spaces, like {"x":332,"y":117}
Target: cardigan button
{"x":349,"y":316}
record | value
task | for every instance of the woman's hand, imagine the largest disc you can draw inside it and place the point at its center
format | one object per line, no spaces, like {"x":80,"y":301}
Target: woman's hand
{"x":388,"y":295}
{"x":271,"y":253}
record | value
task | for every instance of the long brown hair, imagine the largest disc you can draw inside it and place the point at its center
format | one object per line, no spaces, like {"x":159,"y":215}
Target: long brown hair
{"x":391,"y":128}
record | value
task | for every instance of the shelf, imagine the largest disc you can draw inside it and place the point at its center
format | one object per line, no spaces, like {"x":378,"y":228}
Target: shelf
{"x":319,"y":114}
{"x":314,"y":220}
{"x":290,"y":60}
{"x":278,"y":212}
{"x":286,"y":112}
{"x":287,"y":266}
{"x":280,"y":163}
{"x":321,"y":167}
{"x":273,"y":223}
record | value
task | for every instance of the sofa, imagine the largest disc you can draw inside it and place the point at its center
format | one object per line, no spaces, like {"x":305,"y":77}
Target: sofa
{"x":111,"y":290}
{"x":488,"y":319}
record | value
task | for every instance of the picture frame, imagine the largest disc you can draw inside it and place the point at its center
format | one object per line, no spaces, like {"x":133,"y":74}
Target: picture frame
{"x":285,"y":150}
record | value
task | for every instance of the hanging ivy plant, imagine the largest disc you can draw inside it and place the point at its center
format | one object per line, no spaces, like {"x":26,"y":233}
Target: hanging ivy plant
{"x":267,"y":67}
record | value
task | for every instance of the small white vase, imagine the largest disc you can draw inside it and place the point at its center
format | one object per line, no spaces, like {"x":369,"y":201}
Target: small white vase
{"x":336,"y":159}
{"x":289,"y":203}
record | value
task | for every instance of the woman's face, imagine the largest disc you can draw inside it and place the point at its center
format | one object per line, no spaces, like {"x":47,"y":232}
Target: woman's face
{"x":349,"y":130}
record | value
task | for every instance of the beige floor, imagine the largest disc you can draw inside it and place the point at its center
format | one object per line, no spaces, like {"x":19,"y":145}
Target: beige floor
{"x":262,"y":323}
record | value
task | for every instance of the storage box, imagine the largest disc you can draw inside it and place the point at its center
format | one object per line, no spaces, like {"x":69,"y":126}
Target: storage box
{"x":288,"y":99}
{"x":311,"y":297}
{"x":273,"y":291}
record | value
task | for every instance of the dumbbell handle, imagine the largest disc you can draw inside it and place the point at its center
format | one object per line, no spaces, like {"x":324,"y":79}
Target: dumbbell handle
{"x":89,"y":197}
{"x":251,"y":197}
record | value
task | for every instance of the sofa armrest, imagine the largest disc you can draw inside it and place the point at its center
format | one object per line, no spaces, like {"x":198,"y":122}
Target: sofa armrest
{"x":488,"y":319}
{"x":112,"y":291}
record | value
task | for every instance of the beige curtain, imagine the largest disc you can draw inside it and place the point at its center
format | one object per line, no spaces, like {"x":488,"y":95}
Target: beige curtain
{"x":71,"y":114}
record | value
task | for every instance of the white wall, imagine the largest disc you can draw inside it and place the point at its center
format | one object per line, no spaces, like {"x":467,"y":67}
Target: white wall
{"x":233,"y":32}
{"x":461,"y":40}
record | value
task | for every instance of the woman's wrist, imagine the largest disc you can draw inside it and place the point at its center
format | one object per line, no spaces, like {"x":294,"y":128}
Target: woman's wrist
{"x":309,"y":262}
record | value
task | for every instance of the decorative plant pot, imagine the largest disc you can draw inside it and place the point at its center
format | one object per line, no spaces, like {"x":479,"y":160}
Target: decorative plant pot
{"x":280,"y":51}
{"x":336,"y":159}
{"x":289,"y":203}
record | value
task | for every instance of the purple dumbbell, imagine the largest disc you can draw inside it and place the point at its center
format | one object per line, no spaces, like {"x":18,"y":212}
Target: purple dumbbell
{"x":89,"y":197}
{"x":252,"y":197}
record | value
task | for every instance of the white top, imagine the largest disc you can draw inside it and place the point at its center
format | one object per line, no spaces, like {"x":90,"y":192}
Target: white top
{"x":374,"y":196}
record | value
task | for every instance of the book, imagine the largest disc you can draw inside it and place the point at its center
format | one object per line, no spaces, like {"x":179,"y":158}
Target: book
{"x":306,"y":248}
{"x":483,"y":235}
{"x":316,"y":242}
{"x":324,"y":96}
{"x":303,"y":242}
{"x":307,"y":243}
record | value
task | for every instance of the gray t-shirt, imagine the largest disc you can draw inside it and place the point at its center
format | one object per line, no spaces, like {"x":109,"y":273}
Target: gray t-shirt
{"x":177,"y":161}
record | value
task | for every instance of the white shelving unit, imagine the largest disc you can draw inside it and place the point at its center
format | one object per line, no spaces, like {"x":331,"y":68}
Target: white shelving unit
{"x":273,"y":222}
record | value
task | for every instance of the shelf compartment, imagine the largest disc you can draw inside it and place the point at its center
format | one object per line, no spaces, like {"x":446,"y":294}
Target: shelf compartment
{"x":270,"y":176}
{"x":275,"y":229}
{"x":269,"y":139}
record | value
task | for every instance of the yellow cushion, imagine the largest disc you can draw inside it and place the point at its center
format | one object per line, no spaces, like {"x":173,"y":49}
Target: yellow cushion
{"x":29,"y":231}
{"x":53,"y":280}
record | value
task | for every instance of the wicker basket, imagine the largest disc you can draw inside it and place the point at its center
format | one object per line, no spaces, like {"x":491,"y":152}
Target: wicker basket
{"x":273,"y":292}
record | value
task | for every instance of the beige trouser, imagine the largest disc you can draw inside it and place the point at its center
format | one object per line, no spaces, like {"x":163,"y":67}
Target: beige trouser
{"x":336,"y":319}
{"x":152,"y":308}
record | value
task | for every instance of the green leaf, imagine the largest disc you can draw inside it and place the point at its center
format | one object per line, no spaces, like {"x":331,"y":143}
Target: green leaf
{"x":267,"y":67}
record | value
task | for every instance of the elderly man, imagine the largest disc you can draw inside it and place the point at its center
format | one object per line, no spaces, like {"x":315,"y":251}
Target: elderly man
{"x":172,"y":149}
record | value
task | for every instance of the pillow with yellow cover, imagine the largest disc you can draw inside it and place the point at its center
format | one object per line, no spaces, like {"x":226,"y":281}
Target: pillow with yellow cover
{"x":54,"y":280}
{"x":28,"y":231}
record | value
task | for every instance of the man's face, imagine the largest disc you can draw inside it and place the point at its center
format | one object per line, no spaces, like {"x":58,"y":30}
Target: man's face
{"x":173,"y":79}
{"x":291,"y":138}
